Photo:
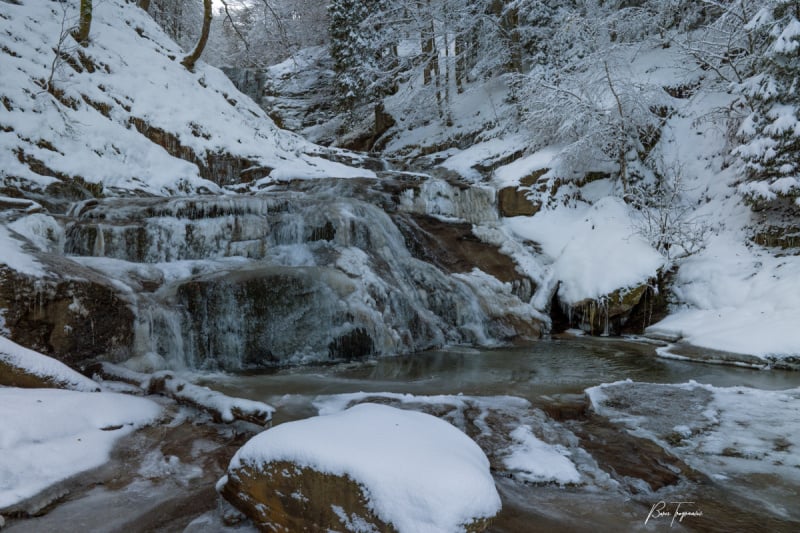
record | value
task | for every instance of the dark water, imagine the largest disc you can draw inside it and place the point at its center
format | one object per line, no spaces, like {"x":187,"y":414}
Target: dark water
{"x":559,"y":366}
{"x":538,"y":373}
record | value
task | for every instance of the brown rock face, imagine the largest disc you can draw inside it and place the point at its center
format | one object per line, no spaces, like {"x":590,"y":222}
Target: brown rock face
{"x":71,"y":319}
{"x":514,"y":202}
{"x":281,"y":496}
{"x":453,"y":247}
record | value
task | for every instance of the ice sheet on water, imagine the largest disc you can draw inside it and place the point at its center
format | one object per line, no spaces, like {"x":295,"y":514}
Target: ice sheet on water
{"x":729,"y":431}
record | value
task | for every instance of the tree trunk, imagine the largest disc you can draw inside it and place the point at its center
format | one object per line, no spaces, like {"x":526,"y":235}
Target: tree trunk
{"x":84,"y":25}
{"x":511,"y":24}
{"x":144,"y":4}
{"x":461,"y":62}
{"x":192,"y":58}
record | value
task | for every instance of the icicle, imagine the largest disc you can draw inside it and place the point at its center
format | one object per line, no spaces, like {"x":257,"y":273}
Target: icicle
{"x":99,"y":248}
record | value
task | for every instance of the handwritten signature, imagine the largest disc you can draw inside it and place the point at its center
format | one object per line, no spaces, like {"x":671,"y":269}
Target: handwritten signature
{"x":680,"y":511}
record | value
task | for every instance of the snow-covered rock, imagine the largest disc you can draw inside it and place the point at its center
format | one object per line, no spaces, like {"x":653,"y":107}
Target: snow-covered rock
{"x":49,"y":435}
{"x":21,"y":367}
{"x":371,"y":466}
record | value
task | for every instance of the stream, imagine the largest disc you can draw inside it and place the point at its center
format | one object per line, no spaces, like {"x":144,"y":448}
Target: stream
{"x":175,"y":496}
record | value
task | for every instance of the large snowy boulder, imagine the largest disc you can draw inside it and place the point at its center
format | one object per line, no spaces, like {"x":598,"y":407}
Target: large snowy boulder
{"x":371,"y":467}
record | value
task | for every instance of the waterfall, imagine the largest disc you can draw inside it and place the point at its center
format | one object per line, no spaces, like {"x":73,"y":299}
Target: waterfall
{"x":288,"y":276}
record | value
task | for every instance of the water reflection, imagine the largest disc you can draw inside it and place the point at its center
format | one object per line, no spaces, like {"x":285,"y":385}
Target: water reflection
{"x":543,"y":368}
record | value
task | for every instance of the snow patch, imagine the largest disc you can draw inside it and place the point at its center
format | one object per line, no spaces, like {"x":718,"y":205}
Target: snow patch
{"x":49,"y":435}
{"x":534,"y":460}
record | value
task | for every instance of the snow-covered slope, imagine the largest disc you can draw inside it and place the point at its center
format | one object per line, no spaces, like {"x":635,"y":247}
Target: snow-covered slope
{"x":94,"y":113}
{"x":730,"y":295}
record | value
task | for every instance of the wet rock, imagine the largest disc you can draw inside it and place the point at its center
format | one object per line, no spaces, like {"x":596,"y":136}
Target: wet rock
{"x":72,"y":316}
{"x":454,"y":248}
{"x":633,"y":461}
{"x":355,"y":344}
{"x":626,"y":310}
{"x":681,"y":349}
{"x":566,"y":407}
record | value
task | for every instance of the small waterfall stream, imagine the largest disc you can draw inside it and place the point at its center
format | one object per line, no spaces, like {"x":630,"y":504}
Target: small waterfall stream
{"x":306,"y":272}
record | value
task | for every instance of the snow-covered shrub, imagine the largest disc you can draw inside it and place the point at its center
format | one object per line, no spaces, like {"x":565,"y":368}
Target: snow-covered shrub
{"x":664,"y":216}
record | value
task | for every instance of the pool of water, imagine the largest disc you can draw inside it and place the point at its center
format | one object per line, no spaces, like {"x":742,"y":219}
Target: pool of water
{"x":538,"y":373}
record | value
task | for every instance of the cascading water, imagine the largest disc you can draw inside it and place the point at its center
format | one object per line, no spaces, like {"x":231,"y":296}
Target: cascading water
{"x":293,"y":276}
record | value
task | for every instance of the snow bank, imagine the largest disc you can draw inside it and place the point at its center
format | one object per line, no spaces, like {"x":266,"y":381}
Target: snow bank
{"x":47,"y":368}
{"x":419,"y":473}
{"x":739,"y":299}
{"x":594,"y":249}
{"x":48,"y":435}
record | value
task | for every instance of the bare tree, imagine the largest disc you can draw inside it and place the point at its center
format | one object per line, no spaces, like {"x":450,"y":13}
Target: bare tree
{"x":192,"y":58}
{"x":85,"y":23}
{"x":665,"y":217}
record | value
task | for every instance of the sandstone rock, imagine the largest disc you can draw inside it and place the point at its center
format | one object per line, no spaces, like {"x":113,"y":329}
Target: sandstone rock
{"x":514,"y":202}
{"x":371,"y":466}
{"x":73,"y":315}
{"x":281,"y":496}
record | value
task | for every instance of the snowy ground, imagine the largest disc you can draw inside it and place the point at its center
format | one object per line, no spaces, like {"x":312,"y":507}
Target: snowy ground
{"x":49,"y":435}
{"x":121,"y":76}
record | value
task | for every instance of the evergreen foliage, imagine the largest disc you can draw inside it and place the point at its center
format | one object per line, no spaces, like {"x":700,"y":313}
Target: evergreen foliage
{"x":771,"y":132}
